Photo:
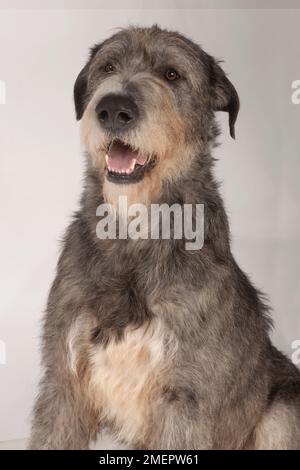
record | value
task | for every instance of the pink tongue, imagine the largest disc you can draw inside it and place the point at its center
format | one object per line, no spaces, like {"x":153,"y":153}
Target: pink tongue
{"x":122,"y":158}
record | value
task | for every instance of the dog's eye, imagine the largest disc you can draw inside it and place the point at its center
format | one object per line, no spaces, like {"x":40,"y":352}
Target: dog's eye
{"x":171,"y":75}
{"x":109,"y":67}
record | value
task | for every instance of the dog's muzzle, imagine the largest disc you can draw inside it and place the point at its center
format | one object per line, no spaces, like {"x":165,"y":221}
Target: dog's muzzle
{"x":117,"y":114}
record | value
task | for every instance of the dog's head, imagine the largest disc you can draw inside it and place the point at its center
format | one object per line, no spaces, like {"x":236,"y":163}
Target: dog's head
{"x":146,"y":100}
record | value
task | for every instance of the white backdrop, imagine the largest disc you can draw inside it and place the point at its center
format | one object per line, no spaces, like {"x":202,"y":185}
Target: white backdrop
{"x":41,"y":53}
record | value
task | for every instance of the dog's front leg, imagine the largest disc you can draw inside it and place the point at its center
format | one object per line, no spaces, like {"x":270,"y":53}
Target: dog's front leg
{"x":61,"y":421}
{"x":62,"y":417}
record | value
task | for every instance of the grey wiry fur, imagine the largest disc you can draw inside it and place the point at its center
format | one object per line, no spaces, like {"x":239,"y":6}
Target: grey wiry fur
{"x":169,"y":348}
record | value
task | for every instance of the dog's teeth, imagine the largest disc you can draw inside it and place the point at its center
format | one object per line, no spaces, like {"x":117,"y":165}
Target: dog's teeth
{"x":123,"y":171}
{"x":106,"y":158}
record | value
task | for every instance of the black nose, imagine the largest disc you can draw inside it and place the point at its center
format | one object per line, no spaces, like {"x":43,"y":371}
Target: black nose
{"x":116,"y":112}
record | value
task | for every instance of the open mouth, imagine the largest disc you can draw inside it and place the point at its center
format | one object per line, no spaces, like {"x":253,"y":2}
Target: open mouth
{"x":125,"y":164}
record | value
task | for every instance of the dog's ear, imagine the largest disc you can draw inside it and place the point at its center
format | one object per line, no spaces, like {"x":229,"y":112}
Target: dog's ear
{"x":224,"y":95}
{"x":81,"y":84}
{"x":80,"y":91}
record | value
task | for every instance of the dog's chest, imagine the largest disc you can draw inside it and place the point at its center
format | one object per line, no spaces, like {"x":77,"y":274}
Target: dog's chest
{"x":126,"y":376}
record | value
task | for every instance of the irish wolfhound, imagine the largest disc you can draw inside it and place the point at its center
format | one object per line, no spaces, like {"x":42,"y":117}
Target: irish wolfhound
{"x":169,"y":348}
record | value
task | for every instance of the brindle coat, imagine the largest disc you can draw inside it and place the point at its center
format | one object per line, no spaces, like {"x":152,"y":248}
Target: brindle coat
{"x":169,"y":348}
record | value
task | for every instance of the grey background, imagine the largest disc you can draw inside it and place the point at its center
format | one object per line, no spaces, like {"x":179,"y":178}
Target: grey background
{"x":41,"y":52}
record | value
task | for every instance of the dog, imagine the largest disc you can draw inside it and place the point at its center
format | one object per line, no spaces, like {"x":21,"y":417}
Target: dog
{"x":168,"y":348}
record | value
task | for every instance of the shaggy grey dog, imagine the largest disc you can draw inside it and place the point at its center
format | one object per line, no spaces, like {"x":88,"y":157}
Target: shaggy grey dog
{"x":167,"y":347}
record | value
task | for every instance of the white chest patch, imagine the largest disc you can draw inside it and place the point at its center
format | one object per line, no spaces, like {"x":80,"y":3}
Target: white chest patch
{"x":126,"y":377}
